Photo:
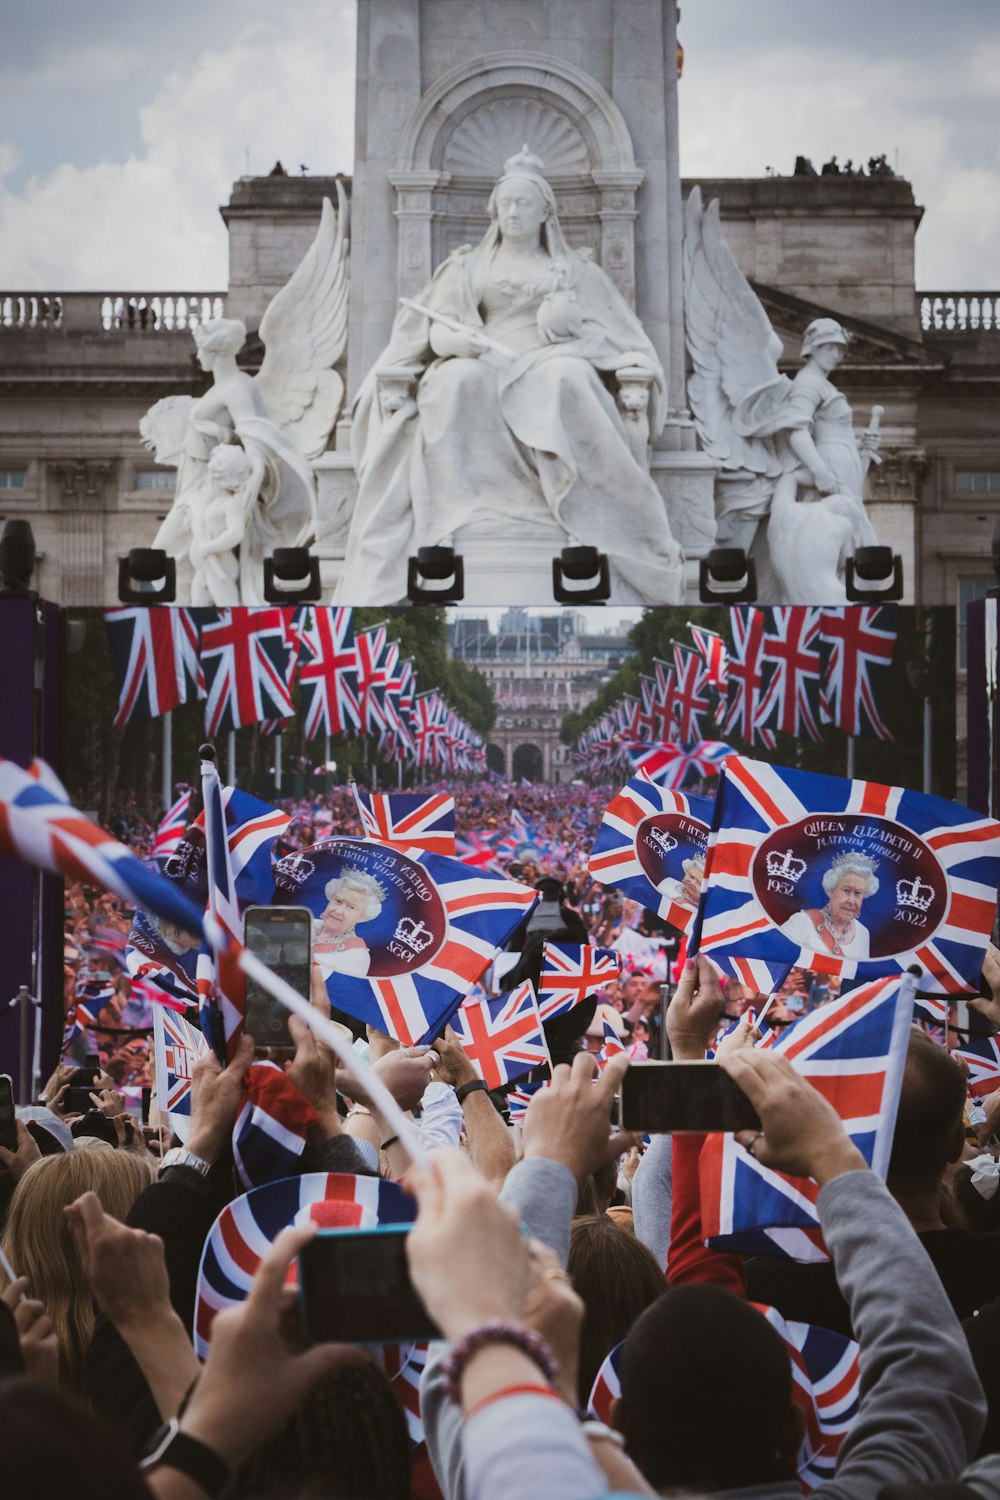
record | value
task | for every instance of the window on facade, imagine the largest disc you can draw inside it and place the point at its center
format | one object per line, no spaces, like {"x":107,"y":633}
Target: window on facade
{"x":969,"y":589}
{"x":11,"y":479}
{"x":977,"y":481}
{"x":155,"y":479}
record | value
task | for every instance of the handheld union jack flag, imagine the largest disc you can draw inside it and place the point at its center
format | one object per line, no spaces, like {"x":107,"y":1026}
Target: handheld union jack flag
{"x":651,"y":841}
{"x":826,"y":1387}
{"x":328,"y":672}
{"x":570,"y":973}
{"x":741,"y":715}
{"x":982,"y":1058}
{"x":90,"y":998}
{"x":860,"y":640}
{"x":244,"y":653}
{"x":177,"y":1047}
{"x":221,"y":982}
{"x":520,"y":1098}
{"x":408,"y":820}
{"x":613,"y":1045}
{"x":251,"y":829}
{"x":39,"y":825}
{"x":848,"y":878}
{"x":271,"y":1128}
{"x":171,"y":829}
{"x":503,"y":1038}
{"x":607,"y":1386}
{"x":671,"y":765}
{"x":853,"y":1051}
{"x":712,"y":649}
{"x":154,"y":652}
{"x":791,"y":648}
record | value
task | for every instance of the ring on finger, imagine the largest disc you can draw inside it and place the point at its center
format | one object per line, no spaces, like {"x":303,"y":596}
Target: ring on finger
{"x":749,"y":1147}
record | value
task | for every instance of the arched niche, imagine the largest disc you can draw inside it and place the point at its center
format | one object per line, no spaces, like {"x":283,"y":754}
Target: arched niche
{"x":476,"y":116}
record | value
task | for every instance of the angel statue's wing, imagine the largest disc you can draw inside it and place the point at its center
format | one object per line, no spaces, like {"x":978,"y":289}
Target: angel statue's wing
{"x":304,"y":331}
{"x":735,"y":389}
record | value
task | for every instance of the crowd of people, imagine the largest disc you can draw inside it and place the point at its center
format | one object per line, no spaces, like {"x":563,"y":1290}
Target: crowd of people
{"x":878,"y":166}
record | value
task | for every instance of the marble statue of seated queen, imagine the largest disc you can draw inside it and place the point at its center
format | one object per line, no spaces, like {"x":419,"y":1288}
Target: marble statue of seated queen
{"x":523,"y":390}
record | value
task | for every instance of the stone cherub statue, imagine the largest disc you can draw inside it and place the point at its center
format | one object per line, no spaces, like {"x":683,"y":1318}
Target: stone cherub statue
{"x":507,"y":390}
{"x":242,"y":451}
{"x":793,"y":477}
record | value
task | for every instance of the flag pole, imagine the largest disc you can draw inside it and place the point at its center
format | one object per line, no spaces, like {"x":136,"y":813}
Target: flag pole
{"x":168,"y":757}
{"x":928,"y":716}
{"x":850,"y":757}
{"x":277,"y":762}
{"x":230,"y":757}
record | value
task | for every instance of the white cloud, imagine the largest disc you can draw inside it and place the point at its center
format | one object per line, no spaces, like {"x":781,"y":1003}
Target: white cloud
{"x":151,"y":222}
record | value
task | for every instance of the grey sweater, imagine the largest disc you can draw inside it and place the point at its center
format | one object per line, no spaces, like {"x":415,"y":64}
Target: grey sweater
{"x":921,"y":1410}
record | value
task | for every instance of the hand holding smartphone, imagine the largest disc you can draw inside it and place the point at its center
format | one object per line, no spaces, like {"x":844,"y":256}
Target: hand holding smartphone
{"x":674,"y":1098}
{"x":355,"y":1288}
{"x":281,"y":937}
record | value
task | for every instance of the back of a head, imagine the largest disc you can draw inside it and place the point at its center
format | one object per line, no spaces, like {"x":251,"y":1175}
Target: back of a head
{"x":618,"y":1278}
{"x":697,"y":1356}
{"x":52,"y":1445}
{"x":929,"y":1129}
{"x":347,"y":1437}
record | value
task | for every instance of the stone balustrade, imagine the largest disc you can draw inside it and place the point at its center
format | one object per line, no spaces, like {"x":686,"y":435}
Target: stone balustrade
{"x":94,"y":312}
{"x":959,"y":312}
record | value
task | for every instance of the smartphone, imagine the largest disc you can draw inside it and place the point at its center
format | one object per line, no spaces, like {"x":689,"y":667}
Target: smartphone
{"x":281,"y":937}
{"x":85,"y":1077}
{"x":671,"y":1098}
{"x":144,"y":1104}
{"x":8,"y":1120}
{"x":355,"y":1288}
{"x":77,"y":1101}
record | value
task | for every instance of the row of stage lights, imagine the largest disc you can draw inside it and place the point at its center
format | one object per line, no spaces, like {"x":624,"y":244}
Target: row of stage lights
{"x":436,"y":575}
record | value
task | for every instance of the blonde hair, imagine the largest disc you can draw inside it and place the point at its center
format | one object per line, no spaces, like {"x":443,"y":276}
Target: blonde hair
{"x":39,"y":1245}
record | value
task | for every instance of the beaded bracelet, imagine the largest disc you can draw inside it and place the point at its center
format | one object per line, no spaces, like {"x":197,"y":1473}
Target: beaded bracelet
{"x":496,"y":1331}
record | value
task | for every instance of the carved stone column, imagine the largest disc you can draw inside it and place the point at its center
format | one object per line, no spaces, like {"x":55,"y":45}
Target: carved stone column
{"x":414,"y":214}
{"x":618,"y":215}
{"x":84,"y":483}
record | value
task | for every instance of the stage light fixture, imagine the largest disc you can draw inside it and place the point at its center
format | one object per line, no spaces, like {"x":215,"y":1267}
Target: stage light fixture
{"x":874,"y":575}
{"x":17,"y":560}
{"x":291,"y":576}
{"x":147,"y":576}
{"x":444,"y":568}
{"x":727,"y":576}
{"x":588,"y":569}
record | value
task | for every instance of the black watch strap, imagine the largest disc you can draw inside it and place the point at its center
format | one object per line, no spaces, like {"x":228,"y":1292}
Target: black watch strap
{"x":470,"y":1088}
{"x":189,"y":1456}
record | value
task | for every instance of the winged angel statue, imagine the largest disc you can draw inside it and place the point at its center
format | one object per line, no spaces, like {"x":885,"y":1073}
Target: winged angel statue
{"x":793,"y":476}
{"x":242,"y":451}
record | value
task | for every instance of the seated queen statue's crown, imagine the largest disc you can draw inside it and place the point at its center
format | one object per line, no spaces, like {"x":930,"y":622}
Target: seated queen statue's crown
{"x":524,"y":164}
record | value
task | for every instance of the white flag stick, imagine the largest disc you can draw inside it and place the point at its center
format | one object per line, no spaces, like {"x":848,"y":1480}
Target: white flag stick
{"x":767,"y":1005}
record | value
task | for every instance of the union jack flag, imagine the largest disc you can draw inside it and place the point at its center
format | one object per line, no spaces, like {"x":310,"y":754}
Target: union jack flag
{"x":520,"y":1098}
{"x":982,"y":1058}
{"x":671,"y":765}
{"x":328,"y":672}
{"x":741,"y":716}
{"x":90,"y":998}
{"x":691,"y":697}
{"x":613,"y":1045}
{"x":607,"y":1386}
{"x":150,"y":960}
{"x":790,"y":646}
{"x":429,"y":712}
{"x":251,"y":829}
{"x":221,"y":982}
{"x":154,"y":652}
{"x":270,"y":1132}
{"x":177,"y":1047}
{"x":171,"y":830}
{"x":712,"y":649}
{"x":860,"y":640}
{"x":404,"y":1367}
{"x":408,"y":820}
{"x":664,"y":701}
{"x":952,"y":896}
{"x":477,"y":849}
{"x":478,"y":912}
{"x":245,"y":1230}
{"x":39,"y":825}
{"x":826,"y":1386}
{"x":570,"y":973}
{"x":635,"y":817}
{"x":853,"y":1051}
{"x":370,"y":649}
{"x":503,"y":1038}
{"x":244,"y":653}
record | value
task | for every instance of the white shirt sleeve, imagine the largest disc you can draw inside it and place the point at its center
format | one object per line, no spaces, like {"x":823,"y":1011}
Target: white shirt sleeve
{"x":441,"y":1120}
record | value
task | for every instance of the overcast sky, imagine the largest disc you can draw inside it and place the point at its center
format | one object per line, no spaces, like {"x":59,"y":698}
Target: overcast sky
{"x":123,"y":123}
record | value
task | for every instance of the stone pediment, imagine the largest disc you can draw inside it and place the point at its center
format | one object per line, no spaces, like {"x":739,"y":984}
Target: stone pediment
{"x":871,"y":346}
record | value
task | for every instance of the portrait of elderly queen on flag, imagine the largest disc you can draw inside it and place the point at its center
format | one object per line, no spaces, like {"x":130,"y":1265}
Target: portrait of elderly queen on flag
{"x":353,"y":898}
{"x":837,"y":926}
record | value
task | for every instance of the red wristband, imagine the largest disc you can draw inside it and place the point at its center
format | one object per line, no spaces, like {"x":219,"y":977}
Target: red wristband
{"x":513,"y":1390}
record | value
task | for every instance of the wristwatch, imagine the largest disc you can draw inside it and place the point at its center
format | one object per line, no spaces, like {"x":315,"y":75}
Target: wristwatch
{"x":178,"y":1157}
{"x":189,"y":1456}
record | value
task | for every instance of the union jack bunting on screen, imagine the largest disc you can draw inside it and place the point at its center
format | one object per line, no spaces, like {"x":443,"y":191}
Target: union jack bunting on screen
{"x":826,"y":1387}
{"x":221,"y":981}
{"x":271,"y":1128}
{"x":154,"y":652}
{"x":791,"y":648}
{"x":938,"y":867}
{"x":503,"y":1038}
{"x":328,"y":671}
{"x":39,"y":825}
{"x":90,"y":997}
{"x":244,"y":653}
{"x":853,"y":1051}
{"x":171,"y":829}
{"x":740,"y":716}
{"x":245,"y":1230}
{"x":571,"y":972}
{"x":860,"y":641}
{"x":177,"y":1047}
{"x":630,"y":817}
{"x":408,"y":820}
{"x":712,"y":649}
{"x":691,"y":696}
{"x":982,"y":1058}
